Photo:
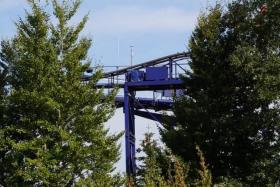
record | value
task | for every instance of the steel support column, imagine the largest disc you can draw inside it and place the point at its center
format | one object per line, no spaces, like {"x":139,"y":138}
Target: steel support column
{"x":170,"y":69}
{"x":129,"y":131}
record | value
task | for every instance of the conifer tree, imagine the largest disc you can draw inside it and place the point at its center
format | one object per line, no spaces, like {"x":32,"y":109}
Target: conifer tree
{"x":52,"y":131}
{"x":3,"y":84}
{"x":231,"y":107}
{"x":149,"y":173}
{"x":158,"y":166}
{"x":3,"y":81}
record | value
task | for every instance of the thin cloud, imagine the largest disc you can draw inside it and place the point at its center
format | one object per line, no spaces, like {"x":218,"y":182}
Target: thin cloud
{"x":141,"y":19}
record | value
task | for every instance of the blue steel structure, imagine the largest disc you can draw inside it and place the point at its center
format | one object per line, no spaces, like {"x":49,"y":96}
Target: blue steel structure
{"x":158,"y":74}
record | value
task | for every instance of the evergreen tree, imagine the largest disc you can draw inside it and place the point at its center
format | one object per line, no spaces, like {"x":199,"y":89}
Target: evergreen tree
{"x":3,"y":84}
{"x":52,"y":131}
{"x":231,"y":107}
{"x":149,"y":172}
{"x":158,"y":166}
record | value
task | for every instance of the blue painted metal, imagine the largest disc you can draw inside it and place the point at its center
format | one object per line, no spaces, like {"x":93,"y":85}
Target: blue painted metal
{"x":109,"y":85}
{"x":156,"y":85}
{"x":155,"y":78}
{"x":129,"y":131}
{"x":156,"y":73}
{"x":149,"y":115}
{"x":147,"y":85}
{"x":173,"y":58}
{"x":135,"y":76}
{"x":129,"y":110}
{"x":147,"y":103}
{"x":170,"y":69}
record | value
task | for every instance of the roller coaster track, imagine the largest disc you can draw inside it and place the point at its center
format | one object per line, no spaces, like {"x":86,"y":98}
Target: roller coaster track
{"x":173,"y":57}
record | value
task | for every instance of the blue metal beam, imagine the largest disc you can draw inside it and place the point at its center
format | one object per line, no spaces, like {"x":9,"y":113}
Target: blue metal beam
{"x":147,"y":85}
{"x":129,"y":132}
{"x":146,"y":103}
{"x":109,"y":85}
{"x":156,"y":85}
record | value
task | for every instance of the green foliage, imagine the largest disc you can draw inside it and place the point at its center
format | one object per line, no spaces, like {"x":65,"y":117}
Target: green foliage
{"x":231,"y":108}
{"x":3,"y":81}
{"x":149,"y":172}
{"x":3,"y":90}
{"x":226,"y":182}
{"x":159,"y":167}
{"x":205,"y":178}
{"x":52,"y":125}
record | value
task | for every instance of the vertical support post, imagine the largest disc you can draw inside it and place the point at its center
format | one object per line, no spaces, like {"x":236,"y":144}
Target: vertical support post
{"x":176,"y":71}
{"x":117,"y":76}
{"x":170,"y":69}
{"x":129,"y":132}
{"x":108,"y":90}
